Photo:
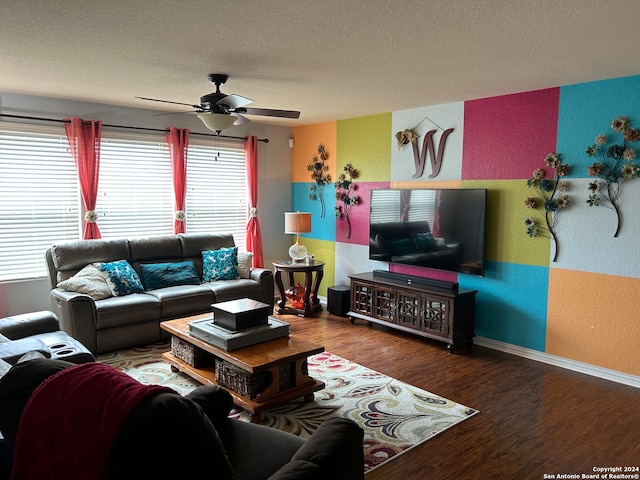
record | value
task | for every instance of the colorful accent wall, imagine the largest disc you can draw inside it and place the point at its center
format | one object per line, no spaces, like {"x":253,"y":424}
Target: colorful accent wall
{"x":583,"y":306}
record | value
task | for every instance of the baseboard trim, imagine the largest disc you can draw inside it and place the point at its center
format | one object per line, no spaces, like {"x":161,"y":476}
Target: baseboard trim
{"x":562,"y":362}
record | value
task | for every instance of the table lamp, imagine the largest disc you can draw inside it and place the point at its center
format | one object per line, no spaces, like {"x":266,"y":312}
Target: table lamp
{"x":297,"y":222}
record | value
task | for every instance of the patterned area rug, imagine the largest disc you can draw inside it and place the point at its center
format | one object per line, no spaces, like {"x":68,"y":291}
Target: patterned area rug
{"x":394,"y":415}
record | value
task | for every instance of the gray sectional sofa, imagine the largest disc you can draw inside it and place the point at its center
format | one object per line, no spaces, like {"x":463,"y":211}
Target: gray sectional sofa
{"x":123,"y":321}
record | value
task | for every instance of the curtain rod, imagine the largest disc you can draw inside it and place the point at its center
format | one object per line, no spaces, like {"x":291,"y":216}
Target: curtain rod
{"x":22,"y":117}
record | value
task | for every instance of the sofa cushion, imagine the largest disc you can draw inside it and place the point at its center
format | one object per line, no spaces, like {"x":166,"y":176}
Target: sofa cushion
{"x":89,"y":281}
{"x":244,"y":264}
{"x":220,"y":264}
{"x":400,"y":246}
{"x":160,"y":275}
{"x":121,"y":277}
{"x":70,"y":257}
{"x":127,"y":310}
{"x":12,"y":351}
{"x":296,"y":469}
{"x":226,"y":290}
{"x":158,"y":248}
{"x":183,"y":300}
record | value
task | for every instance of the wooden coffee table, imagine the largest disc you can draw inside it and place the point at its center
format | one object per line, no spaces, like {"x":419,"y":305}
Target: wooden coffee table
{"x":268,"y":356}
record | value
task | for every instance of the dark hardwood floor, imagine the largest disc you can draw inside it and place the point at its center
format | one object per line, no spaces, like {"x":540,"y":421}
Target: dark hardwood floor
{"x":535,"y":419}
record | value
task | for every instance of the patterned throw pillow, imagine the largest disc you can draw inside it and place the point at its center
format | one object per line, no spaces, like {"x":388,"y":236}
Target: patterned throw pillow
{"x":220,"y":264}
{"x":121,"y":277}
{"x":89,"y":281}
{"x":244,"y":264}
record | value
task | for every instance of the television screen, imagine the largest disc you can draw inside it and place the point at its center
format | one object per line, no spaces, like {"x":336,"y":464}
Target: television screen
{"x":434,"y":228}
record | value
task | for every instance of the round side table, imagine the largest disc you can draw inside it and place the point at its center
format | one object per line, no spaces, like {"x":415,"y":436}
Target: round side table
{"x":311,"y":286}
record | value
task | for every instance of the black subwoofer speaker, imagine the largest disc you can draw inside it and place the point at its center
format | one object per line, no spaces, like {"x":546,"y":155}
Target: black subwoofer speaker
{"x":338,"y":300}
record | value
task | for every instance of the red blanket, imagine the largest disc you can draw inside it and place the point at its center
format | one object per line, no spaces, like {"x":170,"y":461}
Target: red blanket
{"x":71,"y":420}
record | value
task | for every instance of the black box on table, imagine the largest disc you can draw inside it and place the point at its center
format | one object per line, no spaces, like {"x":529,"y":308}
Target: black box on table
{"x":240,"y":314}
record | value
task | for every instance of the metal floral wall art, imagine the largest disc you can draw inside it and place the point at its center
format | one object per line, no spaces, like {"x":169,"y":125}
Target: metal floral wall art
{"x":346,"y":195}
{"x":320,"y":176}
{"x":614,"y":167}
{"x":552,"y":199}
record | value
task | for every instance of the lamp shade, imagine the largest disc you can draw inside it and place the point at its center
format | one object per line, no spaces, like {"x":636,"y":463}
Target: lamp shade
{"x":217,"y":121}
{"x":297,"y":222}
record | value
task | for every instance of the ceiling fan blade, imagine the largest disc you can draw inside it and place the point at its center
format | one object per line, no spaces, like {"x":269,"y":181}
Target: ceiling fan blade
{"x":241,"y":120}
{"x":169,"y":101}
{"x":234,"y":101}
{"x":272,"y":113}
{"x":173,"y":113}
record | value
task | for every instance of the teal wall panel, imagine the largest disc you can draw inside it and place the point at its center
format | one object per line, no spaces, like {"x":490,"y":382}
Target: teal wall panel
{"x":587,"y":109}
{"x":321,"y":228}
{"x":511,"y":303}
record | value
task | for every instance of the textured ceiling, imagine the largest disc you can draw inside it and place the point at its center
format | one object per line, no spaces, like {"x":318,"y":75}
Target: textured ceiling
{"x":330,"y":59}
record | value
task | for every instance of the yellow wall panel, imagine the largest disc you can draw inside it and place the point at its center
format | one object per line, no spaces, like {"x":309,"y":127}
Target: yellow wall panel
{"x":305,"y":146}
{"x":506,"y":236}
{"x":591,"y":318}
{"x":365,"y":143}
{"x":323,"y":251}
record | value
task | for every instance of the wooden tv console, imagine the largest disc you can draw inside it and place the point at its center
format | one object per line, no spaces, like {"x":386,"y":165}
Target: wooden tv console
{"x":445,"y":314}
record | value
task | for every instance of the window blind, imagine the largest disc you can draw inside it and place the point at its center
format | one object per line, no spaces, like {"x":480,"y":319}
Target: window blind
{"x":217,"y":190}
{"x":135,"y":188}
{"x":39,"y":198}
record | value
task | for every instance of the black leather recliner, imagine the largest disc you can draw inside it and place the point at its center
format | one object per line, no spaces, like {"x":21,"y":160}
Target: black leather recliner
{"x":162,"y":435}
{"x":39,"y":332}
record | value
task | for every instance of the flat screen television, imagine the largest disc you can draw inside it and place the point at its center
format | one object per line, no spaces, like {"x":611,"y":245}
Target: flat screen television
{"x":433,"y":228}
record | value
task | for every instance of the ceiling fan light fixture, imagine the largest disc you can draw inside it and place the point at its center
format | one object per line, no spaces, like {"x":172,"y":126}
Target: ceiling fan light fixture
{"x":217,"y":121}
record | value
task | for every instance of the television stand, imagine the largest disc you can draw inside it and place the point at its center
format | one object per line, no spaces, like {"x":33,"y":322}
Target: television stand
{"x":447,"y":315}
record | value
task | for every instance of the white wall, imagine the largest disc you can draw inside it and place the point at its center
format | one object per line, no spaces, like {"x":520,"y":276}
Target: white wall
{"x":274,"y":187}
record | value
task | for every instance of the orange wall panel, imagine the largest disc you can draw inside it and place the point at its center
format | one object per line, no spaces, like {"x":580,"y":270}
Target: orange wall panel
{"x":591,"y":318}
{"x":305,"y":146}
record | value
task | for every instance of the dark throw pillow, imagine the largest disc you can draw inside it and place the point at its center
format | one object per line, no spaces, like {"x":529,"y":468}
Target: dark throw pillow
{"x":159,"y":275}
{"x":424,"y":242}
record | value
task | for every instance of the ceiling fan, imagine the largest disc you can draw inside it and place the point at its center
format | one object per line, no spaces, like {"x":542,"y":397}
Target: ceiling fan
{"x":218,"y":111}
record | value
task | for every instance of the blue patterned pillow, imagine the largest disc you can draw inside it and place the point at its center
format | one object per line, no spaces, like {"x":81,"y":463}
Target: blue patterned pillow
{"x":159,"y":275}
{"x":121,"y":277}
{"x":220,"y":264}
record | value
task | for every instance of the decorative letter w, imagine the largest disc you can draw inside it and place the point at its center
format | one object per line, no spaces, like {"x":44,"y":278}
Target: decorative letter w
{"x":436,"y":160}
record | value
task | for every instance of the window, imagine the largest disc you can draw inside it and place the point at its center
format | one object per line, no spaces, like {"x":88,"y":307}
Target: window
{"x":40,"y":203}
{"x":217,"y":190}
{"x":39,"y":198}
{"x":135,"y":188}
{"x":386,"y":205}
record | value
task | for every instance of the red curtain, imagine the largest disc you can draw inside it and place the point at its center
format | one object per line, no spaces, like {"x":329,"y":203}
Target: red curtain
{"x":435,"y":230}
{"x":405,"y":205}
{"x":178,"y":140}
{"x":84,"y":142}
{"x":254,"y":238}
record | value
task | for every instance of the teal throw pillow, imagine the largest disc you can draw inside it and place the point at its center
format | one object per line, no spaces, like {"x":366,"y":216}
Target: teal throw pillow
{"x":220,"y":264}
{"x":121,"y":277}
{"x":424,"y":242}
{"x":159,"y":275}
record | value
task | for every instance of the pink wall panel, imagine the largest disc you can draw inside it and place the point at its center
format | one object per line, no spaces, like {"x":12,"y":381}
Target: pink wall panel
{"x":359,"y":215}
{"x":507,"y":137}
{"x":423,"y":272}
